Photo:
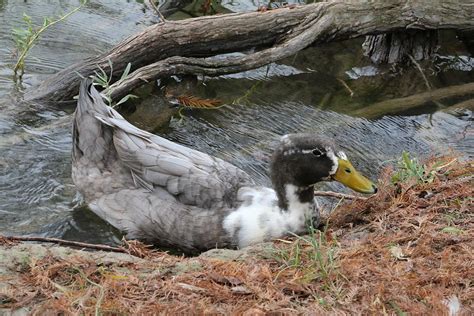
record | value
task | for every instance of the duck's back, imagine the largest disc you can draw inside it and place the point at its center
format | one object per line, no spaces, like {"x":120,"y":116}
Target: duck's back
{"x":146,"y":185}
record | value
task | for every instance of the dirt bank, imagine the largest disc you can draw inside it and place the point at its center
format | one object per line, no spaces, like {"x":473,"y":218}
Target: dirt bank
{"x":406,"y":250}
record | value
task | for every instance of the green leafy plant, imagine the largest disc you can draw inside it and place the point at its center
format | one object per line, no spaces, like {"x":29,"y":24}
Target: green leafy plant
{"x":102,"y":79}
{"x":25,"y":38}
{"x":411,"y":168}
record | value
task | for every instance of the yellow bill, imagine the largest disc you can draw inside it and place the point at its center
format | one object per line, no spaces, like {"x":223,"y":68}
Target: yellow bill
{"x":347,"y":175}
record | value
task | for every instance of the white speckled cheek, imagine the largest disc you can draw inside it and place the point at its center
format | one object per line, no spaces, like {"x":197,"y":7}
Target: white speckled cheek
{"x":330,"y":154}
{"x":342,"y":155}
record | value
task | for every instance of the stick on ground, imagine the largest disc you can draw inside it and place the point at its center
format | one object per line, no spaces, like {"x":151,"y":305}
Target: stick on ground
{"x":339,"y":195}
{"x":64,"y":243}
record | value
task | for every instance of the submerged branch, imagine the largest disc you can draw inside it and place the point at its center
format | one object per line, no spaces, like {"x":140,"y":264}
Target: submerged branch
{"x":406,"y":103}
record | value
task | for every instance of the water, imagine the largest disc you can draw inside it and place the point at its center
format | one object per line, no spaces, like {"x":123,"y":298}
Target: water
{"x":37,"y":195}
{"x":308,"y":93}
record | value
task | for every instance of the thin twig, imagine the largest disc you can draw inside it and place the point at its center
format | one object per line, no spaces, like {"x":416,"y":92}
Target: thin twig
{"x":446,"y":164}
{"x":339,"y":195}
{"x":101,"y":292}
{"x":427,"y":83}
{"x":417,"y":65}
{"x":64,"y":242}
{"x":346,"y":86}
{"x":155,"y":8}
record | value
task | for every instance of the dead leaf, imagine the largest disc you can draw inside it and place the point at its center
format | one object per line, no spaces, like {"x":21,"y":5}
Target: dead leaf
{"x":221,"y":279}
{"x":198,"y":103}
{"x":253,"y":312}
{"x":241,"y":290}
{"x":397,"y":252}
{"x":190,"y":287}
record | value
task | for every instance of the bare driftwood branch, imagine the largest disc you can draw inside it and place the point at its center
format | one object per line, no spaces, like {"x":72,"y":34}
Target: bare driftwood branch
{"x":402,"y":104}
{"x":339,"y":195}
{"x":179,"y":47}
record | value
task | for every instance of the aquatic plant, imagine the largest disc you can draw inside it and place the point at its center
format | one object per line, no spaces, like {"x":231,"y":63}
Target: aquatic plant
{"x":245,"y":98}
{"x":25,"y":38}
{"x":193,"y":102}
{"x":190,"y":101}
{"x":103,"y":80}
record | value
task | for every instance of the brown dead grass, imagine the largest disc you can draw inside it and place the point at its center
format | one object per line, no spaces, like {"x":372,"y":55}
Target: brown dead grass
{"x":416,"y":250}
{"x":406,"y":250}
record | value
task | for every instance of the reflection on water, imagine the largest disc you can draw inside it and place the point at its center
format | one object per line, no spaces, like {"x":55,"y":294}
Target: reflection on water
{"x":303,"y":94}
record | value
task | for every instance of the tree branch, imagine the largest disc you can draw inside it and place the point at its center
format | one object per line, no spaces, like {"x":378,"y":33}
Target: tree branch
{"x":277,"y":33}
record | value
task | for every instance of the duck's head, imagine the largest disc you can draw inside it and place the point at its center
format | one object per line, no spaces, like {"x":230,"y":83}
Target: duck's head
{"x":301,"y":160}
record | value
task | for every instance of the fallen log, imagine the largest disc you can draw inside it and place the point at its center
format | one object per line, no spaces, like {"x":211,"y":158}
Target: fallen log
{"x":180,"y":47}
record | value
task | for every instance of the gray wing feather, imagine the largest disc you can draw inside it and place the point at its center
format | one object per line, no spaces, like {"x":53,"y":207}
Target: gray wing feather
{"x":147,"y":186}
{"x":193,"y":177}
{"x":96,"y":169}
{"x":139,"y":182}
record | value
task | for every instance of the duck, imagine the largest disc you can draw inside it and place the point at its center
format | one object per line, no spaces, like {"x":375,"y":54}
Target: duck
{"x":173,"y":196}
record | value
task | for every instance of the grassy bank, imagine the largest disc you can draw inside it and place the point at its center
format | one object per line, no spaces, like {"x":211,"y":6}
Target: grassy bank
{"x":407,"y":250}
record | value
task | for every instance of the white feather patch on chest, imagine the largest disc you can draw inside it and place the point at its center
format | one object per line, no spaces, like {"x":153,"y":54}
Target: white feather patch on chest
{"x":260,"y":219}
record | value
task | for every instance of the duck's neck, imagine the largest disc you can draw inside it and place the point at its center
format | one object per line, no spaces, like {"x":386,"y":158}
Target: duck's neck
{"x":292,"y":197}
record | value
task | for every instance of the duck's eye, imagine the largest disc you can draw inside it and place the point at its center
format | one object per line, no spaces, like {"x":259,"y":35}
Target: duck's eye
{"x":347,"y":170}
{"x":317,"y":153}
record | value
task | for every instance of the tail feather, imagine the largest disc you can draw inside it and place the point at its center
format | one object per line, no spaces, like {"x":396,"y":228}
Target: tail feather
{"x":91,"y":139}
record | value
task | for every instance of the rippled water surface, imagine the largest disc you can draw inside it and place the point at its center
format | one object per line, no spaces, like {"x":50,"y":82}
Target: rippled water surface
{"x":317,"y":91}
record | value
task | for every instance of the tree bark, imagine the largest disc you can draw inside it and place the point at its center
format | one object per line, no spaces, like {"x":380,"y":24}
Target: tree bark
{"x":179,"y":47}
{"x":397,"y":47}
